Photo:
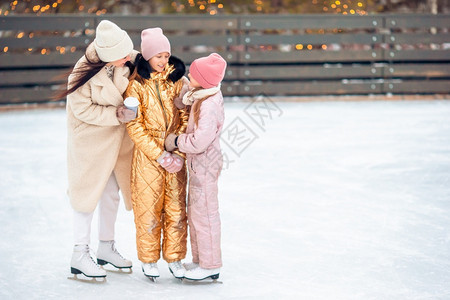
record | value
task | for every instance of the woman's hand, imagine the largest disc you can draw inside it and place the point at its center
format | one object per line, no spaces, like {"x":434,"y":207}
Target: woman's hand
{"x":124,"y":115}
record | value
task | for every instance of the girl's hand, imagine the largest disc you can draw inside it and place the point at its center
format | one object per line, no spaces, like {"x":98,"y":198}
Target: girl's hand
{"x":165,"y":160}
{"x":178,"y":101}
{"x":176,"y":165}
{"x":169,"y":143}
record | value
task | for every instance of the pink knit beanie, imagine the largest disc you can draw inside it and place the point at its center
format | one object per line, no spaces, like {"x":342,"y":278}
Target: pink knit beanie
{"x":153,"y":41}
{"x":208,"y":71}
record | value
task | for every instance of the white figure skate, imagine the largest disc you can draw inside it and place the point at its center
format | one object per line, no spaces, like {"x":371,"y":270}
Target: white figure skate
{"x":83,"y":263}
{"x":177,"y":269}
{"x":151,"y":271}
{"x":108,"y":254}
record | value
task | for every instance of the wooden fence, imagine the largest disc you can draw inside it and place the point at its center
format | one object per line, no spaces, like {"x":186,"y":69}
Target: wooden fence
{"x":270,"y":54}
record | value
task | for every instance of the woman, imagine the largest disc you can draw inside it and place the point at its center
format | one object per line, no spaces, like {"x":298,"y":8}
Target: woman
{"x":99,"y":149}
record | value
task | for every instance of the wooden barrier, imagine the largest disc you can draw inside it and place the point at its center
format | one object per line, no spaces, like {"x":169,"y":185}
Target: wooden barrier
{"x":270,"y":54}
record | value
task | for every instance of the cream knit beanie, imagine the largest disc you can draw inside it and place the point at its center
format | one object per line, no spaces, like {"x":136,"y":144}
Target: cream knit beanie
{"x":111,"y":42}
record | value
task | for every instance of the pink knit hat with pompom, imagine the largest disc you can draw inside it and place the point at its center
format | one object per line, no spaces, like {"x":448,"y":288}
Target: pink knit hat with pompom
{"x":153,"y":41}
{"x":208,"y":71}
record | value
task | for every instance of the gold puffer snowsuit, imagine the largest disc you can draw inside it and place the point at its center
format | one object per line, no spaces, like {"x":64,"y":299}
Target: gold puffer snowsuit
{"x":158,"y":197}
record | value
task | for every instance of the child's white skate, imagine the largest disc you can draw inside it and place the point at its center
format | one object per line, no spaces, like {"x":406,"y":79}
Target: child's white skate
{"x":177,"y":269}
{"x":191,"y":265}
{"x":151,"y":271}
{"x":83,"y":263}
{"x":108,"y":254}
{"x":199,"y":274}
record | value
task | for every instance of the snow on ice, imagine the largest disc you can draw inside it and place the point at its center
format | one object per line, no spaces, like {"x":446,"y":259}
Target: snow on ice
{"x":318,"y":200}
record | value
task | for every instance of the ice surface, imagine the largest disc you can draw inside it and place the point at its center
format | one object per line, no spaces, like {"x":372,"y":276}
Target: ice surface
{"x":321,"y":200}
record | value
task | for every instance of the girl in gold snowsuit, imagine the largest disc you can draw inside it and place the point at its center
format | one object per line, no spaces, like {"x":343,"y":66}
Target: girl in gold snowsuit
{"x":158,"y":179}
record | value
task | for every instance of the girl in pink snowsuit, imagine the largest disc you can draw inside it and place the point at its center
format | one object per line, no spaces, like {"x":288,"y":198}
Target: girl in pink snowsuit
{"x":201,"y":143}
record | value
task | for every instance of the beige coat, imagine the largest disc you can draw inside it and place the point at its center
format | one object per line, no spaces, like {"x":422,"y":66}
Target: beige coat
{"x":97,"y":143}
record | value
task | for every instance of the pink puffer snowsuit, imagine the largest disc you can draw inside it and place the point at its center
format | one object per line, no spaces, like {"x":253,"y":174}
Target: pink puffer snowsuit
{"x":204,"y":158}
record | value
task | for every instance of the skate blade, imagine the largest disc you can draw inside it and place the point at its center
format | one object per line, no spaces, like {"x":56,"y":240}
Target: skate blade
{"x":205,"y":281}
{"x":113,"y":268}
{"x":153,"y":279}
{"x":82,"y":278}
{"x":118,"y":270}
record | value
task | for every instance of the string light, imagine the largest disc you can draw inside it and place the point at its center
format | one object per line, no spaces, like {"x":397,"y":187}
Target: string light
{"x":212,"y":7}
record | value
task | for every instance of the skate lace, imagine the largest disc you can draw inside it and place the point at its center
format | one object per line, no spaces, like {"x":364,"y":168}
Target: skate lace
{"x":94,"y":262}
{"x":88,"y":253}
{"x":113,"y":248}
{"x":176,"y":265}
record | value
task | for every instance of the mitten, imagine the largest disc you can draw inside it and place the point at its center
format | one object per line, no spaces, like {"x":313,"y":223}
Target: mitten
{"x":165,"y":159}
{"x":176,"y":165}
{"x":169,"y":143}
{"x":178,"y":101}
{"x":124,"y":115}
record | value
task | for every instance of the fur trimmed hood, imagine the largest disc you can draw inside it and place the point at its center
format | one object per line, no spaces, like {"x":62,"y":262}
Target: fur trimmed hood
{"x":174,"y":71}
{"x":179,"y":68}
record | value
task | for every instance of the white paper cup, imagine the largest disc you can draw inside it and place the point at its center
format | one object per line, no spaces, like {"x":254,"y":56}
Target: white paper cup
{"x":132,"y":103}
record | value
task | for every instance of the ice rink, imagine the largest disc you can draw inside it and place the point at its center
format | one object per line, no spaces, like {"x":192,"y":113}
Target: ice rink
{"x":318,"y":200}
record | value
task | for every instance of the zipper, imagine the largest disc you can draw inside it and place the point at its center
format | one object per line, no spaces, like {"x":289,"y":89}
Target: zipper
{"x":160,"y":102}
{"x":192,"y":165}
